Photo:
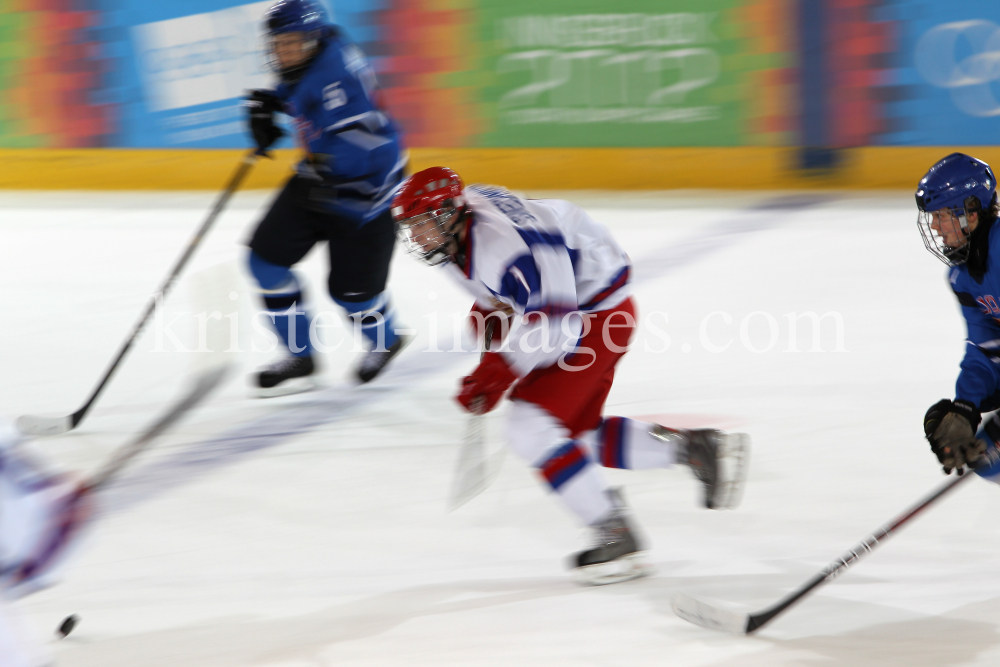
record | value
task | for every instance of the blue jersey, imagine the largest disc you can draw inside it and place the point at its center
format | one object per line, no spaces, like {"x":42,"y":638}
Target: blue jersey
{"x":339,"y":123}
{"x":979,"y":379}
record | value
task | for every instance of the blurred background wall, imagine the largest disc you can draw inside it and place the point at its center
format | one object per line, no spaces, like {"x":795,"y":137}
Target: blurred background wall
{"x":529,"y":93}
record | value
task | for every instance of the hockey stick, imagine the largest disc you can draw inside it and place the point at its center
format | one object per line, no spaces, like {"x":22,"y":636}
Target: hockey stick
{"x":77,"y":507}
{"x":204,"y":385}
{"x":38,"y":425}
{"x":709,"y":616}
{"x":473,"y":474}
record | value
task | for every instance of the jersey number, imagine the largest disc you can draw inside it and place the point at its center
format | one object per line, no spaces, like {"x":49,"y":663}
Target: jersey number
{"x":334,"y":96}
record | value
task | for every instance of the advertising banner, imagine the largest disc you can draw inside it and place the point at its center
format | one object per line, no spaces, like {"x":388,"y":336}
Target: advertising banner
{"x":465,"y":73}
{"x":948,"y":74}
{"x":651,"y":73}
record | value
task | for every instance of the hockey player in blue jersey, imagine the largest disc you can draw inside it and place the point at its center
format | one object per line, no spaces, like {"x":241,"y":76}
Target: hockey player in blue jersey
{"x":958,"y":209}
{"x":340,"y":193}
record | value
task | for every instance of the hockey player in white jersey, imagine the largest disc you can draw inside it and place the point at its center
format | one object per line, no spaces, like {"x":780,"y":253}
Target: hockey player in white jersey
{"x":41,"y":515}
{"x":559,"y":284}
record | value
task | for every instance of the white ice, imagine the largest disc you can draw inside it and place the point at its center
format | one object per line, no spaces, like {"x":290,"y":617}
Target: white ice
{"x":312,"y":530}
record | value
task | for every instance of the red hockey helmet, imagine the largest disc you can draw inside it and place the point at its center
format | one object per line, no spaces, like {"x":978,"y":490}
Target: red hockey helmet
{"x":425,"y":209}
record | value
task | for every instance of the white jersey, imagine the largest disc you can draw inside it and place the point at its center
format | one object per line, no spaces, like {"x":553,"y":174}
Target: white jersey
{"x":37,"y":525}
{"x":541,"y":258}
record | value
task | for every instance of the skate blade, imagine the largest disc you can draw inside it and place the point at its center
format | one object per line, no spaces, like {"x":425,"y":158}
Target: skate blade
{"x":734,"y":462}
{"x":286,"y":388}
{"x":622,"y":569}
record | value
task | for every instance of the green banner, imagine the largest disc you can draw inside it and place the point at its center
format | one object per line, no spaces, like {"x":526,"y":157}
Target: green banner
{"x":649,"y":73}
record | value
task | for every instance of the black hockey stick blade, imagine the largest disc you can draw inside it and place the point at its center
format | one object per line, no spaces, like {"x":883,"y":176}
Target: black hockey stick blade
{"x":203,"y":385}
{"x":716,"y":618}
{"x":41,"y":425}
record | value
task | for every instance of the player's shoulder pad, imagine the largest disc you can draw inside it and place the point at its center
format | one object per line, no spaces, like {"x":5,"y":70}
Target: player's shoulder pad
{"x":492,"y":229}
{"x":503,"y":200}
{"x":329,"y":64}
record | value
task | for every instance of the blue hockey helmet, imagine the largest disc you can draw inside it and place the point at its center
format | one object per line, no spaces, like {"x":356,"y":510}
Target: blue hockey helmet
{"x":294,"y":16}
{"x":948,"y":195}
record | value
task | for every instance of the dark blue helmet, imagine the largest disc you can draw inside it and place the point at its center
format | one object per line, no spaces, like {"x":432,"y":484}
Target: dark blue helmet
{"x":298,"y":16}
{"x":294,"y":16}
{"x":948,"y":195}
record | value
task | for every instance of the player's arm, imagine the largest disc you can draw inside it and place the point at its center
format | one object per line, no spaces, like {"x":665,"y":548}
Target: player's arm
{"x":979,"y":378}
{"x":950,"y":425}
{"x":540,"y":289}
{"x":496,"y":315}
{"x":261,"y":106}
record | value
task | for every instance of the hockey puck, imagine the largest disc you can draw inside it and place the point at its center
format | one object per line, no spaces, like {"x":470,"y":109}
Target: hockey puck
{"x":67,"y":625}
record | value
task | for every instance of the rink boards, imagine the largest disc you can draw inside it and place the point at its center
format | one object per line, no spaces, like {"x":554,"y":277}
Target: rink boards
{"x":746,"y":168}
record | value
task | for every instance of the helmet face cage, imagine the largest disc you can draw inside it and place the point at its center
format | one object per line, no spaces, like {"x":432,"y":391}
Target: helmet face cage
{"x":953,"y":223}
{"x":948,"y":195}
{"x":292,"y":16}
{"x":427,"y":235}
{"x":310,"y":41}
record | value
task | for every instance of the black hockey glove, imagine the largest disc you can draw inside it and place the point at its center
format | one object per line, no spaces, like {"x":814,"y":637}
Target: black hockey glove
{"x":317,"y":186}
{"x":950,"y":427}
{"x":261,"y":107}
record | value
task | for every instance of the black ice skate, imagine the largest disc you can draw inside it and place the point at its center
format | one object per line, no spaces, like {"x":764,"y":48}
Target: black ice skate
{"x":717,"y":459}
{"x":616,"y":555}
{"x":290,"y":375}
{"x":374,"y":361}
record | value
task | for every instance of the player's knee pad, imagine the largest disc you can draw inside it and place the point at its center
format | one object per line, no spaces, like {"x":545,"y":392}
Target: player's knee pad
{"x":372,"y":312}
{"x":533,"y":433}
{"x":353,"y":300}
{"x":269,"y":276}
{"x":279,"y":287}
{"x":355,"y":306}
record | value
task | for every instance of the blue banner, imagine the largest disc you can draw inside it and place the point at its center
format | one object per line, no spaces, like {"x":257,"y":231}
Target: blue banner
{"x":946,"y":80}
{"x":184,"y":66}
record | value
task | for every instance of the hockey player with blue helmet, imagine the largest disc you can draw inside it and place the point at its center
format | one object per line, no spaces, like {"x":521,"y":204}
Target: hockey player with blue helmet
{"x":340,"y":193}
{"x":958,"y":209}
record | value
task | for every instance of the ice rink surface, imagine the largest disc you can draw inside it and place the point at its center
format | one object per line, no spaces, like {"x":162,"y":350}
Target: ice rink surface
{"x":312,"y":530}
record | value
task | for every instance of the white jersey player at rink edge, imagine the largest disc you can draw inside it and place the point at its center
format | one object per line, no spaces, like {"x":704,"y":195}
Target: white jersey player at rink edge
{"x":559,"y":285}
{"x":41,"y":516}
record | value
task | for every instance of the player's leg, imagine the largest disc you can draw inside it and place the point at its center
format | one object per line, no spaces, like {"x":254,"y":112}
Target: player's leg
{"x":581,"y":487}
{"x":282,"y":239}
{"x":620,"y":442}
{"x":717,"y":459}
{"x":553,"y":406}
{"x":359,"y":270}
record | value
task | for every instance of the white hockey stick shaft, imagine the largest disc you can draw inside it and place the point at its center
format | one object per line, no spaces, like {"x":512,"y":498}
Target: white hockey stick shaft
{"x":472,"y":473}
{"x":203,"y":385}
